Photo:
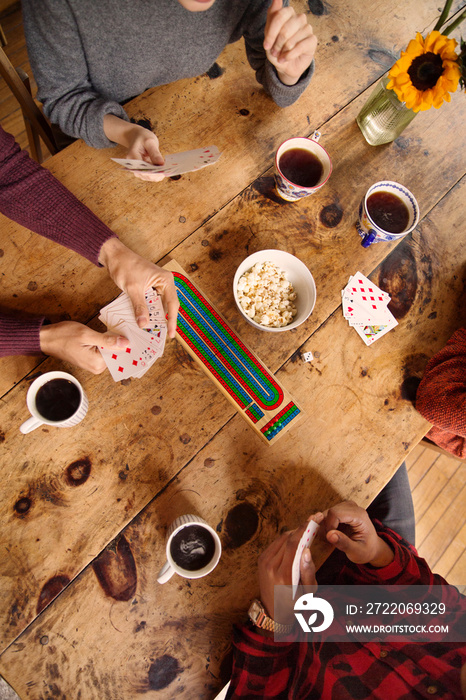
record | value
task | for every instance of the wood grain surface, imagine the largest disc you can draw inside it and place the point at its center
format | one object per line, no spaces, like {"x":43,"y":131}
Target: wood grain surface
{"x":114,"y":632}
{"x":356,"y":46}
{"x":84,"y":511}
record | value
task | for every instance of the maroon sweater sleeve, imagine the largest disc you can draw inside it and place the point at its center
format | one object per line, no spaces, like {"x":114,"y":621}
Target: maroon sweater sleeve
{"x":19,"y":337}
{"x":34,"y":198}
{"x":31,"y":196}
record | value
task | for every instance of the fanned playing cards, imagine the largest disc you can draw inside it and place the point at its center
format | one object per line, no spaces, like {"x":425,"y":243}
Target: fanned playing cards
{"x":176,"y":163}
{"x":146,"y":345}
{"x":305,"y":541}
{"x":365,"y":308}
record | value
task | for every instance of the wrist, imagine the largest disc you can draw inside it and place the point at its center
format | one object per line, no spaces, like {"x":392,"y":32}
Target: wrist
{"x":111,"y":247}
{"x":286,"y":79}
{"x":384,"y":554}
{"x":46,"y":333}
{"x":258,"y":614}
{"x":120,"y":131}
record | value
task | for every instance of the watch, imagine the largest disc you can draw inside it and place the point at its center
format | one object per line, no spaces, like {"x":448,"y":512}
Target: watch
{"x":260,"y":618}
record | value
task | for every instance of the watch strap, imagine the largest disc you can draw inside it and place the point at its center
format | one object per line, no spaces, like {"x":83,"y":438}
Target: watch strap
{"x":260,"y":618}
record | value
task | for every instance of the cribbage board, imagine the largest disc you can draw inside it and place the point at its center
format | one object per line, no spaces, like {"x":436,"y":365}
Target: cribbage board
{"x":233,"y":367}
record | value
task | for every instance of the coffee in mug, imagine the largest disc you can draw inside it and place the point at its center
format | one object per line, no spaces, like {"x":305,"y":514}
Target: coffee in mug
{"x":302,"y":167}
{"x":387,"y":212}
{"x":57,"y":399}
{"x":193,"y":549}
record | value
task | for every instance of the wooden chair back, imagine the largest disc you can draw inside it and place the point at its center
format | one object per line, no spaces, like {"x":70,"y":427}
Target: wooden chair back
{"x":37,"y":126}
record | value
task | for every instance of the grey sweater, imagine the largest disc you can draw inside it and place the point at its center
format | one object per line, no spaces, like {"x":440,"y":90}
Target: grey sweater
{"x":89,"y":56}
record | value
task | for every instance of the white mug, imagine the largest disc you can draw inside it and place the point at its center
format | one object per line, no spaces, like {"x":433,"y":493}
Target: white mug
{"x":184,"y":522}
{"x":37,"y":419}
{"x":290,"y":191}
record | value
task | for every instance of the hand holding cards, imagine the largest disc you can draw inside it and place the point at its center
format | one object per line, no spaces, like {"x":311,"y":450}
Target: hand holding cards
{"x":146,"y":344}
{"x":365,"y":308}
{"x":176,"y":163}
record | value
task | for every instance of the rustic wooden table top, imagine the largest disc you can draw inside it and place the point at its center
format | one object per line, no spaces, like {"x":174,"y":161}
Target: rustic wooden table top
{"x":84,"y":511}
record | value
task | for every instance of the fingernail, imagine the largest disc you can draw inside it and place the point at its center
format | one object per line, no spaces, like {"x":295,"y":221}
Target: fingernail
{"x":334,"y":537}
{"x":307,"y":555}
{"x":122,"y":342}
{"x":142,"y":319}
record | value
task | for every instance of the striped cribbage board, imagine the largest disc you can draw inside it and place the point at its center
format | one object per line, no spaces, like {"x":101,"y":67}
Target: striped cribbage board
{"x":236,"y":370}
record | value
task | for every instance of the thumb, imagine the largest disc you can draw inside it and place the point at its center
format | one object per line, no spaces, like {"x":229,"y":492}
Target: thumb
{"x":141,"y":311}
{"x":151,"y":146}
{"x":341,"y":541}
{"x":110,"y":340}
{"x":308,"y":569}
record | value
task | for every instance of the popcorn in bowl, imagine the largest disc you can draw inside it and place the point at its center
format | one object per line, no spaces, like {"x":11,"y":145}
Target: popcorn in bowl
{"x":266,"y":295}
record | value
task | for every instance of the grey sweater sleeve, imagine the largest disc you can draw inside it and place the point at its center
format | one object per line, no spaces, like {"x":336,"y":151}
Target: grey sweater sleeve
{"x":59,"y":66}
{"x":266,"y":75}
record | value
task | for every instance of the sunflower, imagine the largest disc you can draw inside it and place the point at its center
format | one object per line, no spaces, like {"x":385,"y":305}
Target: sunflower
{"x":426,"y":72}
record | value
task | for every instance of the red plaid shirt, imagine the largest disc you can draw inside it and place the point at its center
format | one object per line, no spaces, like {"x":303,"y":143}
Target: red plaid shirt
{"x":263,"y":668}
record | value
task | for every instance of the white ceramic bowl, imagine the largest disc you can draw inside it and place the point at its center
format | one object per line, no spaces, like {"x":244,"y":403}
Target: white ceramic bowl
{"x":296,"y":272}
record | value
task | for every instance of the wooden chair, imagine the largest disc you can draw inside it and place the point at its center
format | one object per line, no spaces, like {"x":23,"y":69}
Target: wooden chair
{"x":37,"y":126}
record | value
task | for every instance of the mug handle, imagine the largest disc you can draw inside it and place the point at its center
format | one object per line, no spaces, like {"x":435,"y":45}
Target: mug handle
{"x":165,"y":573}
{"x":368,"y":239}
{"x":315,"y":136}
{"x":30,"y":425}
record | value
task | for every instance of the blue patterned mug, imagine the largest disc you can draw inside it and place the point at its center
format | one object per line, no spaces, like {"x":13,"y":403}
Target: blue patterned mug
{"x":407,"y":206}
{"x":315,"y":165}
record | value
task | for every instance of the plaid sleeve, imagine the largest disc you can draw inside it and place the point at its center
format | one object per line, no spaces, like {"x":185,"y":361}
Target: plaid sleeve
{"x":407,"y":568}
{"x":262,"y":668}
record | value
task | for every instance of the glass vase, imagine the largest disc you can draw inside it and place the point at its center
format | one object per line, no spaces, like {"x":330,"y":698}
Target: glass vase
{"x":383,"y":117}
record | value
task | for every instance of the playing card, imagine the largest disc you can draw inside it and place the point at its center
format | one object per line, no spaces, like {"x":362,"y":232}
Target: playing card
{"x":146,"y":345}
{"x":371,"y":333}
{"x":362,"y":291}
{"x":176,"y":163}
{"x":305,"y":541}
{"x":120,"y":364}
{"x":365,"y":308}
{"x":155,"y":306}
{"x":358,"y":315}
{"x":363,"y":285}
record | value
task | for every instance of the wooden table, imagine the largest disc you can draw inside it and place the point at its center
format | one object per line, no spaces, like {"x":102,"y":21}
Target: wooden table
{"x":84,"y":511}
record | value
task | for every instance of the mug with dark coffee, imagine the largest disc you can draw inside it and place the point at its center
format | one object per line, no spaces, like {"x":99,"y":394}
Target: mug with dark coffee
{"x":388,"y":211}
{"x":193,"y":549}
{"x":302,"y":166}
{"x":55,"y":398}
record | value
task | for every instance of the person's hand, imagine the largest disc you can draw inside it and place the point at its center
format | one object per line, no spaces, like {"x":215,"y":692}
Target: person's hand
{"x":79,"y":345}
{"x":142,"y":144}
{"x":360,"y":540}
{"x":289,"y":42}
{"x":135,"y":275}
{"x":275,"y":565}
